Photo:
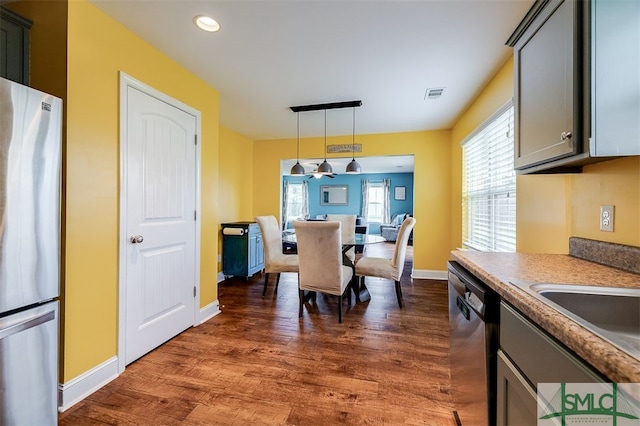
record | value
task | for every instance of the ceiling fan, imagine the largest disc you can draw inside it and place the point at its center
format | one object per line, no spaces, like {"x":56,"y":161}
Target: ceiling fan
{"x":317,"y":175}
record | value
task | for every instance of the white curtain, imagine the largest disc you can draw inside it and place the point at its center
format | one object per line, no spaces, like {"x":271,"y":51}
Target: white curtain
{"x":305,"y":199}
{"x":295,"y":202}
{"x":386,"y":201}
{"x":365,"y":198}
{"x":285,"y":205}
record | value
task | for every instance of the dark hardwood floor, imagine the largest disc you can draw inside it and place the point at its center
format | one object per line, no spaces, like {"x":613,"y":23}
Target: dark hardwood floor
{"x":256,"y":363}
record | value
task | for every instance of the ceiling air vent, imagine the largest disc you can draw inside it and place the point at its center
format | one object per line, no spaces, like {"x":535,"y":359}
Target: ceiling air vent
{"x":433,"y":93}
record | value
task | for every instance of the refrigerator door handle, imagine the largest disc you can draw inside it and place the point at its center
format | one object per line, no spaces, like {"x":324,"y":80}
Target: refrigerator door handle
{"x":27,"y":324}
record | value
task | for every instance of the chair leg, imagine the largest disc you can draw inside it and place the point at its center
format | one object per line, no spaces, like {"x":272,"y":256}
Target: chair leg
{"x":349,"y":288}
{"x":399,"y":293}
{"x":266,"y":281}
{"x":340,"y":309}
{"x":277,"y":281}
{"x":300,"y":298}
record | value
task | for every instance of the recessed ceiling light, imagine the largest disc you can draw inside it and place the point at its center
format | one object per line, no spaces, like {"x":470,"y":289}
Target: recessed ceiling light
{"x":206,"y":23}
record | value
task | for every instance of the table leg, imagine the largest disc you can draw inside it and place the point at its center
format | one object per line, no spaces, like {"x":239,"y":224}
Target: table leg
{"x":363,"y":292}
{"x":310,"y":295}
{"x":360,"y":290}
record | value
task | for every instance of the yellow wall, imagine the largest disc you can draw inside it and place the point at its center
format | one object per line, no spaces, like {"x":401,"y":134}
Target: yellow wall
{"x":98,"y":48}
{"x":552,"y":208}
{"x":235,"y":186}
{"x":432,"y":175}
{"x":615,"y":182}
{"x":542,"y":213}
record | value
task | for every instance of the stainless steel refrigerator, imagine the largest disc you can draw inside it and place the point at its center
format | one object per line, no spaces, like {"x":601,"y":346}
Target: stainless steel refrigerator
{"x":30,"y":150}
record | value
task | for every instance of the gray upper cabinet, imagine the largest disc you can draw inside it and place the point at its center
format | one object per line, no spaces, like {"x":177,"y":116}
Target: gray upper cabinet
{"x":14,"y":46}
{"x":549,"y":85}
{"x":615,"y":68}
{"x":577,"y":84}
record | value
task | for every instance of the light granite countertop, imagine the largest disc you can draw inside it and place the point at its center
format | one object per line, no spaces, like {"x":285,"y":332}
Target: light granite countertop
{"x":497,"y":270}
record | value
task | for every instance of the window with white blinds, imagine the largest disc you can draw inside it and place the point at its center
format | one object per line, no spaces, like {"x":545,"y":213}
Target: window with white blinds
{"x":376,"y":203}
{"x":489,"y":185}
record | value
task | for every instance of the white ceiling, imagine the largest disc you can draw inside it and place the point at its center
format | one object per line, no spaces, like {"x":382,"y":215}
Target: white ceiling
{"x":273,"y":54}
{"x":270,"y":55}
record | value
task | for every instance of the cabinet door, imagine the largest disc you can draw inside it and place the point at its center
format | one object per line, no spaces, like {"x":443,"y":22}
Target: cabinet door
{"x":533,"y":351}
{"x":259,"y":252}
{"x":14,"y":43}
{"x":545,"y":75}
{"x":253,"y":252}
{"x":517,"y":400}
{"x":256,"y":251}
{"x":235,"y":254}
{"x":615,"y":71}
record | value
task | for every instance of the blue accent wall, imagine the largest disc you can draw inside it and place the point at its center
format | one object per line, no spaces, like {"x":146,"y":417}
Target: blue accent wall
{"x":354,"y":183}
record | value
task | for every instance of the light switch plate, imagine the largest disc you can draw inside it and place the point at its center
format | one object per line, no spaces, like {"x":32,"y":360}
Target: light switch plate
{"x":606,"y":218}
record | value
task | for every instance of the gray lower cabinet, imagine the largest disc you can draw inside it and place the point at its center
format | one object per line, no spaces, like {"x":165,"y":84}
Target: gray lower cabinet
{"x":529,"y":356}
{"x":516,"y":397}
{"x":242,"y":249}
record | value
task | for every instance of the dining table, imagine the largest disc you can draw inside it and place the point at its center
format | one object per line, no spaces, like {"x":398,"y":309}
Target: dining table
{"x":361,"y":293}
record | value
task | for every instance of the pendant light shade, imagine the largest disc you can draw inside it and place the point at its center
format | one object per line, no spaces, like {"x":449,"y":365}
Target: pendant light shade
{"x":324,"y":167}
{"x":353,"y":168}
{"x":297,"y":169}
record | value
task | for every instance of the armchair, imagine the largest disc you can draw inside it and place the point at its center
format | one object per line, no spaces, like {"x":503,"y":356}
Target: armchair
{"x":389,"y":231}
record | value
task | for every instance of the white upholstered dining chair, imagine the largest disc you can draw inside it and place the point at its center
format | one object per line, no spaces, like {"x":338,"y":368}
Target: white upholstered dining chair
{"x":320,"y":258}
{"x":275,"y":261}
{"x":347,"y":230}
{"x":390,"y":269}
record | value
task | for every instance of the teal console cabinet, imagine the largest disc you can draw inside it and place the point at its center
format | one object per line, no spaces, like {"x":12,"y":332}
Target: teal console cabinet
{"x":242,"y":250}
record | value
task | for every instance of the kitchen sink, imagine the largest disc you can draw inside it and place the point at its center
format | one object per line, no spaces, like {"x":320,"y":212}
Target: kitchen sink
{"x":613,"y":313}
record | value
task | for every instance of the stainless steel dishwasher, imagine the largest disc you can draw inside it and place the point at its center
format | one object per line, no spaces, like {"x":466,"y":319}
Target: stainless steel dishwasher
{"x":473,"y":321}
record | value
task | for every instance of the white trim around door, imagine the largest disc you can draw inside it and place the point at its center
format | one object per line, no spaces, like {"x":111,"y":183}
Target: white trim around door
{"x":127,"y":82}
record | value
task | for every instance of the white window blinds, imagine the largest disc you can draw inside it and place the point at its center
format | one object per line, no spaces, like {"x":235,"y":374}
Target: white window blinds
{"x":489,"y":185}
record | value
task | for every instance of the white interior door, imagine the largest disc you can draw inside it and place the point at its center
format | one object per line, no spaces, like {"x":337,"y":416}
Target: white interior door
{"x":159,"y":184}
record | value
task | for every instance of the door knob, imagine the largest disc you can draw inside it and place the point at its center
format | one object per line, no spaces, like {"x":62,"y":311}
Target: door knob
{"x":137,"y":239}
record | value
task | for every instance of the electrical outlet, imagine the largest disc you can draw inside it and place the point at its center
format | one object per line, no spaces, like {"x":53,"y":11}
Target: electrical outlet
{"x":606,"y":218}
{"x":219,"y":258}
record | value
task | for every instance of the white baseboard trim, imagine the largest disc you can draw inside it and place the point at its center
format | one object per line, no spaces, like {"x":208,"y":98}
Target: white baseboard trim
{"x":429,"y":274}
{"x":208,"y":312}
{"x":87,"y":383}
{"x":220,"y":277}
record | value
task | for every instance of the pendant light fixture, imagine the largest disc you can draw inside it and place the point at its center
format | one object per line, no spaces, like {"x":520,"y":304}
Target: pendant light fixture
{"x":324,"y":167}
{"x":353,"y":168}
{"x":297,"y":169}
